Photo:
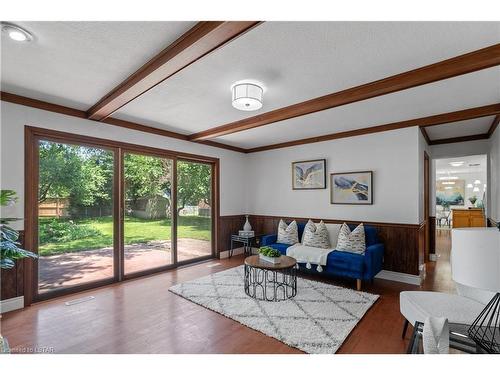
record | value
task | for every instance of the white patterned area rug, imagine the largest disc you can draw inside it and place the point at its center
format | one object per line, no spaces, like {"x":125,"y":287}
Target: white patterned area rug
{"x":317,"y":320}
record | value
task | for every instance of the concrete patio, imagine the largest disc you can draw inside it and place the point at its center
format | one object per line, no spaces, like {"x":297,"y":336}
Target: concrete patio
{"x":69,"y":269}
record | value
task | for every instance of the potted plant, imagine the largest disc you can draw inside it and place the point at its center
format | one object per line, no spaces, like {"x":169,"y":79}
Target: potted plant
{"x":473,"y":200}
{"x":268,"y":254}
{"x":9,"y":245}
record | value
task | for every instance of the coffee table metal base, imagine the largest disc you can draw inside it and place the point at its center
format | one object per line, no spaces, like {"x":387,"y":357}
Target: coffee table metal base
{"x":270,"y":285}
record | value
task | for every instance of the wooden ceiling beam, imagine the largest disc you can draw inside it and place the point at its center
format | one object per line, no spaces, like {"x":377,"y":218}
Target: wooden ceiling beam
{"x":426,"y":136}
{"x":445,"y":118}
{"x":465,"y":138}
{"x":494,"y":125}
{"x":199,"y":41}
{"x":34,"y":103}
{"x":463,"y":64}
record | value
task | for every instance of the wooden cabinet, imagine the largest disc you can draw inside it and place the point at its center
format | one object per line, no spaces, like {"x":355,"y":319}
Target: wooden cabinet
{"x":463,"y":218}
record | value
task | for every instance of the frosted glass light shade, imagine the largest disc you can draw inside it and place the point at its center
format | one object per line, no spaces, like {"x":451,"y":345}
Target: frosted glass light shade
{"x":247,"y":96}
{"x":475,"y":257}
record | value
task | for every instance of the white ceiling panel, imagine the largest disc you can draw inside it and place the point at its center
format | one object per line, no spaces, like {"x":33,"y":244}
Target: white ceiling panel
{"x":297,"y":61}
{"x":460,"y":129}
{"x":467,"y":91}
{"x":76,"y":63}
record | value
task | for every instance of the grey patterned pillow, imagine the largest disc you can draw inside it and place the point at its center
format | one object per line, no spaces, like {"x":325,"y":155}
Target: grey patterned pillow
{"x":288,"y":235}
{"x":316,"y":235}
{"x":352,"y":242}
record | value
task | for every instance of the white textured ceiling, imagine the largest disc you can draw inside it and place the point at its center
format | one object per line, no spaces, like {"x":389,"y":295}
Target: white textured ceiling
{"x":77,"y":63}
{"x":460,"y":129}
{"x":297,"y":61}
{"x":467,"y":91}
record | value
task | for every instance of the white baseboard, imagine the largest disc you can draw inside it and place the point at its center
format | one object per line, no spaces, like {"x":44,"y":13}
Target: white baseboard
{"x":11,"y":304}
{"x":238,"y":251}
{"x":399,"y":277}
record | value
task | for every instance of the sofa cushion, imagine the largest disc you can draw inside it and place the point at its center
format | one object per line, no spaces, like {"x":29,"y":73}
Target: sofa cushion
{"x":353,"y":242}
{"x":344,"y":261}
{"x":316,"y":235}
{"x":333,"y":233}
{"x":288,"y":234}
{"x":371,"y":235}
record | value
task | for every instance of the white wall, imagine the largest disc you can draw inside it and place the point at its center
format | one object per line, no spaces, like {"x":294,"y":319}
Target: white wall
{"x":392,"y":156}
{"x":14,"y":117}
{"x":494,"y":181}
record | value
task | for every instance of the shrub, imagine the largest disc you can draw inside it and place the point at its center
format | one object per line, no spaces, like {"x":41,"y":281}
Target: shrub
{"x":63,"y":231}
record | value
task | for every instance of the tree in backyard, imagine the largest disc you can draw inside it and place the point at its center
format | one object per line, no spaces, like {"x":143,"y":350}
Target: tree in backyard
{"x":193,"y":184}
{"x":146,"y":176}
{"x":82,"y":174}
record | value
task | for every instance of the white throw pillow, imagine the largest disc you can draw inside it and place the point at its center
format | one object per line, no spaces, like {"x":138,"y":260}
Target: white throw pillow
{"x":316,"y":235}
{"x":288,"y":235}
{"x":352,"y":242}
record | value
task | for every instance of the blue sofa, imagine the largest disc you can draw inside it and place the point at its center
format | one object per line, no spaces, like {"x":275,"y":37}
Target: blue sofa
{"x":341,"y":263}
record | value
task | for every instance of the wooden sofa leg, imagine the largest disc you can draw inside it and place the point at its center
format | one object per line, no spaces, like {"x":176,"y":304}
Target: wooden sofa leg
{"x":358,"y":284}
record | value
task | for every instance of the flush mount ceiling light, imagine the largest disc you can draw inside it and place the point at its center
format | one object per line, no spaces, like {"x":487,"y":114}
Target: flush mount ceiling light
{"x":456,"y":163}
{"x":477,"y":182}
{"x":16,"y":33}
{"x":449,"y":178}
{"x":247,"y":96}
{"x":448,"y":183}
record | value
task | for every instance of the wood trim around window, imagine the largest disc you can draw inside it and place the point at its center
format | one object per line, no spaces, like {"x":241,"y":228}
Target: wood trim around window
{"x":33,"y":135}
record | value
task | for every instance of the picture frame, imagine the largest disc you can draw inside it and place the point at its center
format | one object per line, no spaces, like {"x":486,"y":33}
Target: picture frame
{"x":351,"y":188}
{"x":309,"y":174}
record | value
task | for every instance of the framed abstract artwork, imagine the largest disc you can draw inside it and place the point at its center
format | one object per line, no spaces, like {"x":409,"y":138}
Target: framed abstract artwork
{"x":309,"y":174}
{"x":351,"y":188}
{"x":450,"y":193}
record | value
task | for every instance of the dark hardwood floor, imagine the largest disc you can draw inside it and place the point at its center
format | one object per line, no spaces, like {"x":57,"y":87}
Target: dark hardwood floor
{"x":141,"y":316}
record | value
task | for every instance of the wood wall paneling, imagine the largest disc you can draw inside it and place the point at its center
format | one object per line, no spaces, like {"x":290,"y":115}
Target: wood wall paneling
{"x":228,"y":225}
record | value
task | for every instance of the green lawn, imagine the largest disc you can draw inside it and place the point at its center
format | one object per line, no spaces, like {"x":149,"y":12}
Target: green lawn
{"x":135,"y":231}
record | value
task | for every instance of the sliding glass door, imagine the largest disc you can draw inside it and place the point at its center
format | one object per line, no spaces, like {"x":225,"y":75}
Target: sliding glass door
{"x":148,"y":207}
{"x":75,"y":215}
{"x":194,"y":210}
{"x":100,"y":211}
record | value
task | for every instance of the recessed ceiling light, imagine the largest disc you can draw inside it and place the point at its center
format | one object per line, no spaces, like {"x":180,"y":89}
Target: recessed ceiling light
{"x":449,"y":178}
{"x":247,"y":95}
{"x":448,"y":182}
{"x":456,"y":163}
{"x":16,"y":33}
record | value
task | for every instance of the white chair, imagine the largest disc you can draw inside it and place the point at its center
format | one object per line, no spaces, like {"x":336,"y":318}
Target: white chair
{"x":475,"y":263}
{"x":461,"y":308}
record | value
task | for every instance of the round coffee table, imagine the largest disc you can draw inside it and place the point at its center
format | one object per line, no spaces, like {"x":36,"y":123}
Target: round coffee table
{"x":266,"y":281}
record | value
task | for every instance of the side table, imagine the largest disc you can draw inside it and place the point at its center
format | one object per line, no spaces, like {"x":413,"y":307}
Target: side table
{"x":246,"y":241}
